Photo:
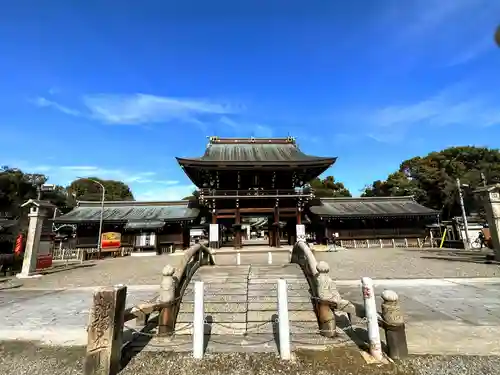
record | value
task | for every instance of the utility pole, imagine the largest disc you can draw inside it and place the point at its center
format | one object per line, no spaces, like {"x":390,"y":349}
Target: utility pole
{"x":464,"y":215}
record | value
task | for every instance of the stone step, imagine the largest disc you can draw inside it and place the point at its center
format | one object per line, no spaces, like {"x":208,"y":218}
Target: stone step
{"x":214,"y":298}
{"x":269,"y":280}
{"x":274,"y":293}
{"x":217,"y":307}
{"x":219,"y":317}
{"x":273,"y":306}
{"x":216,"y":291}
{"x":218,"y":285}
{"x":220,"y":280}
{"x":264,"y":316}
{"x":241,"y":329}
{"x":265,"y":342}
{"x":274,"y":286}
{"x":274,"y":299}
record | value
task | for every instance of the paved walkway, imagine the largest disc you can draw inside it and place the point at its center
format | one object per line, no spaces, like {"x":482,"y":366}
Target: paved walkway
{"x":345,"y":264}
{"x":445,"y":316}
{"x":241,"y":311}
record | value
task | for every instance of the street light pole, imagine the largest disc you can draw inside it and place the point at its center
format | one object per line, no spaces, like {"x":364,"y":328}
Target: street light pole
{"x":464,"y":215}
{"x":103,"y":189}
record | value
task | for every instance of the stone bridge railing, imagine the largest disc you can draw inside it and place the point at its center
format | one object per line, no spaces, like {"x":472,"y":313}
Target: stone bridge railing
{"x":108,"y":315}
{"x":324,"y":294}
{"x":175,"y":282}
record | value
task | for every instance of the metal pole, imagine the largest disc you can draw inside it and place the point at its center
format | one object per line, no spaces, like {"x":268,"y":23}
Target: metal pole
{"x":99,"y":240}
{"x":464,"y":215}
{"x":99,"y":243}
{"x":198,"y":321}
{"x":283,"y":323}
{"x":372,"y":318}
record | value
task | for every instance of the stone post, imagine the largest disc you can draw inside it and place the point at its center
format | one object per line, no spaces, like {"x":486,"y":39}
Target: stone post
{"x":167,"y":297}
{"x":491,"y":200}
{"x":36,"y":216}
{"x":328,"y":297}
{"x":105,"y":331}
{"x":394,"y":325}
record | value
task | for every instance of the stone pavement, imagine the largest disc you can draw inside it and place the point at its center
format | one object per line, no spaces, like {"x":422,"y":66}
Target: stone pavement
{"x":241,"y":310}
{"x":445,"y":316}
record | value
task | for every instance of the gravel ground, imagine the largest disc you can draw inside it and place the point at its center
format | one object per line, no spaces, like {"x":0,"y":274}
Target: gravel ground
{"x":345,"y":265}
{"x":27,"y":359}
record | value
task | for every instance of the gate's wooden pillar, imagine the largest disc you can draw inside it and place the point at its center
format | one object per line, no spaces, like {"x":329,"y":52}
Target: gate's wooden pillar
{"x":276,"y":225}
{"x":237,"y":228}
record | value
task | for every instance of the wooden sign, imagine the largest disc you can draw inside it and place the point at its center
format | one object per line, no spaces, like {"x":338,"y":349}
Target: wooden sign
{"x":111,"y":240}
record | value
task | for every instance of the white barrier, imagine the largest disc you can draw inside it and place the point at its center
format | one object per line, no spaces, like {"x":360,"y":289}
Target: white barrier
{"x":238,"y":258}
{"x":372,"y":318}
{"x":283,"y":323}
{"x":269,"y":258}
{"x":198,"y":321}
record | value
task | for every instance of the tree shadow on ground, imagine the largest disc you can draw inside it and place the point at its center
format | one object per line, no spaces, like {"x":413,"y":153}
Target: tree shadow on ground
{"x":465,"y":256}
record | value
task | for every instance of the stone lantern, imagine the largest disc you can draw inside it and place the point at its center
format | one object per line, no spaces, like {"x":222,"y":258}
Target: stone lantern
{"x":38,"y":211}
{"x":491,"y":199}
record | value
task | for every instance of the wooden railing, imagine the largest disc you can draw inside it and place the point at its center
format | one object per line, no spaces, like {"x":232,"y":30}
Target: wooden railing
{"x":253,"y":193}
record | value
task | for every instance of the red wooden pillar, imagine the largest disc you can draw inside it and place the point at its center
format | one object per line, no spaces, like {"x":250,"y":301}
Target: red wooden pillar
{"x":276,"y":224}
{"x":237,"y":229}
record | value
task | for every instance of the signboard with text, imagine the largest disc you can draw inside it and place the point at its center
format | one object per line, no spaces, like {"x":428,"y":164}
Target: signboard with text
{"x":110,"y":240}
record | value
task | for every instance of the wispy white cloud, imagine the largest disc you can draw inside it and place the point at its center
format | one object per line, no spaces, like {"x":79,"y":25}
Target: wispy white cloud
{"x":138,"y":109}
{"x":142,"y":109}
{"x":45,"y":103}
{"x":452,"y":106}
{"x":444,"y":32}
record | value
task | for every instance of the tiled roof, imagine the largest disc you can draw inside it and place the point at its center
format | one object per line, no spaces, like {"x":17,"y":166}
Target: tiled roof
{"x":258,"y":150}
{"x":130,"y":211}
{"x":371,"y":207}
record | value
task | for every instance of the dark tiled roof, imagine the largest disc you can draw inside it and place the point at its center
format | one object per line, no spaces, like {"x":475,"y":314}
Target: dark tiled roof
{"x":6,"y":224}
{"x":130,"y":211}
{"x":371,"y":207}
{"x":145,"y":224}
{"x":258,"y":150}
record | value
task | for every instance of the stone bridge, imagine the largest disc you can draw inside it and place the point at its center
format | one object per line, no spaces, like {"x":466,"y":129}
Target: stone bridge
{"x":241,"y":306}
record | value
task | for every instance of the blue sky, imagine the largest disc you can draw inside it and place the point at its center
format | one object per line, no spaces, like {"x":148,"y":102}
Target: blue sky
{"x":117,"y":89}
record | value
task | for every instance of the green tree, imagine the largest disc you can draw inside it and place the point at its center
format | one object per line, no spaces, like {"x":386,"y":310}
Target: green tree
{"x":432,"y":179}
{"x":86,"y":190}
{"x":328,"y":187}
{"x":16,"y":187}
{"x":194,"y":196}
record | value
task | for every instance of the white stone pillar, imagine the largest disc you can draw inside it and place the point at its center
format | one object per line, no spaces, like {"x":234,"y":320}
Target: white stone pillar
{"x":301,"y":232}
{"x":36,"y":217}
{"x":213,"y":235}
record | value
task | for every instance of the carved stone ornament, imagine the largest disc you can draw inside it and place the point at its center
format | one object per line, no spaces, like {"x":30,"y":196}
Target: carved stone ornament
{"x":327,"y":291}
{"x":168,"y":284}
{"x":391,"y":309}
{"x":100,"y":322}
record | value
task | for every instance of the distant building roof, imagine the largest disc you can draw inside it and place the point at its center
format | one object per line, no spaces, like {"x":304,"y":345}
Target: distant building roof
{"x":130,"y":211}
{"x":255,"y":150}
{"x":370,"y":207}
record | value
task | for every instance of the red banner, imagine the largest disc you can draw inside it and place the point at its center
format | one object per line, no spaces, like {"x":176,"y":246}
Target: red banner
{"x":19,"y":244}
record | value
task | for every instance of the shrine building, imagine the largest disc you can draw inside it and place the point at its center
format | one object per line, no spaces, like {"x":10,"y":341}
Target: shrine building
{"x":251,"y":186}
